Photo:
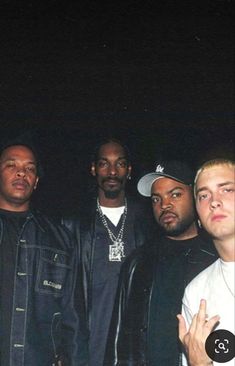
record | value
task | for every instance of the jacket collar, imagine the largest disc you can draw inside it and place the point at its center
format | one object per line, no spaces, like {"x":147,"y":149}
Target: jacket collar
{"x":36,"y":216}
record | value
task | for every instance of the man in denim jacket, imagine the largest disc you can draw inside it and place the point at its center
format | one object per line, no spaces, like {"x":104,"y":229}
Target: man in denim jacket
{"x":39,"y":324}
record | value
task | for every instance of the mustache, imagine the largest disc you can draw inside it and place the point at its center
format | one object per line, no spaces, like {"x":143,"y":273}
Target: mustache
{"x":112,"y":179}
{"x":21,"y":181}
{"x":167,"y":213}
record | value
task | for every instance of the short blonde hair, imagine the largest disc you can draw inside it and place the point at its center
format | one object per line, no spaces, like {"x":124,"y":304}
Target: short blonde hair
{"x":211,"y":163}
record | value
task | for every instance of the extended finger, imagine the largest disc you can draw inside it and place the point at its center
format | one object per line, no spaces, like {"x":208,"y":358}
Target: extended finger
{"x":201,"y":315}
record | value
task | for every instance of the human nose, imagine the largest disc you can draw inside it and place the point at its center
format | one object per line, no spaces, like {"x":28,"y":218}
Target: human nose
{"x":215,"y":201}
{"x":166,"y":204}
{"x":112,"y":170}
{"x":21,"y":172}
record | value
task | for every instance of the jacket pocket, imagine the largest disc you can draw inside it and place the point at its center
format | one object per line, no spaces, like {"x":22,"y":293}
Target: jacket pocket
{"x":54,"y":267}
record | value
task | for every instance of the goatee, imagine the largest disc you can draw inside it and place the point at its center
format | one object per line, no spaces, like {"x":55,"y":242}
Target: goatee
{"x":111,"y":194}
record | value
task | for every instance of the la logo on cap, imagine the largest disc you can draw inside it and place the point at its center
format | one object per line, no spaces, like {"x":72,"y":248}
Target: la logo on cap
{"x":159,"y":169}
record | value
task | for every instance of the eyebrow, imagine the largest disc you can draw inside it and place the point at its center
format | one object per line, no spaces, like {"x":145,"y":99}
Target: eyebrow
{"x":16,"y":158}
{"x":26,"y":161}
{"x":205,"y":188}
{"x":106,"y":159}
{"x":170,"y":191}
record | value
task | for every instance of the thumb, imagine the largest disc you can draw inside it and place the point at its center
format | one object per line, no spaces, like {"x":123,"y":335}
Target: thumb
{"x":182,"y":327}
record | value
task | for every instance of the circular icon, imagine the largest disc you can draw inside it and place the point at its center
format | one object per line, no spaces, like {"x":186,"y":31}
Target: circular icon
{"x":220,"y":346}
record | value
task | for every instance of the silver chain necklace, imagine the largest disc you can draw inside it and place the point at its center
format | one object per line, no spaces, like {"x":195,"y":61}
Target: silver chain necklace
{"x":116,"y":249}
{"x":226,"y":283}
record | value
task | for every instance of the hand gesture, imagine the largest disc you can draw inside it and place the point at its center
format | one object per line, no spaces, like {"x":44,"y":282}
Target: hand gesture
{"x":195,"y":338}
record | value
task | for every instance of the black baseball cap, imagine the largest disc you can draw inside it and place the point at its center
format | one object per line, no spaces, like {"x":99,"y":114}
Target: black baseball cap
{"x":176,"y":170}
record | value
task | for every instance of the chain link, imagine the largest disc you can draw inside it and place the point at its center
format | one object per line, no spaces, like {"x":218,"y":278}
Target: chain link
{"x":112,"y":237}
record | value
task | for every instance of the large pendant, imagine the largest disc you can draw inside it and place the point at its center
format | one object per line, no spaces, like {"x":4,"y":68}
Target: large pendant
{"x":116,"y":251}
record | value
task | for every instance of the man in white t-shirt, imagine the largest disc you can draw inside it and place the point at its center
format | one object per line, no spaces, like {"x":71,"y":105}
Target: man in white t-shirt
{"x":213,"y":289}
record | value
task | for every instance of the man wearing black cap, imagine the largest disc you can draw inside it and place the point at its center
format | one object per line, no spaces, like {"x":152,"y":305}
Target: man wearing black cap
{"x":144,"y":326}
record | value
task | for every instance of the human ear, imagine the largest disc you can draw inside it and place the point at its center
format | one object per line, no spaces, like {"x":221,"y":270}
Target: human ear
{"x":129,"y":172}
{"x":36,"y":184}
{"x":93,"y":170}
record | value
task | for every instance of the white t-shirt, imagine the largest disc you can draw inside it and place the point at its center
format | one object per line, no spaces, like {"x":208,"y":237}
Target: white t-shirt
{"x":216,"y":285}
{"x":113,"y":213}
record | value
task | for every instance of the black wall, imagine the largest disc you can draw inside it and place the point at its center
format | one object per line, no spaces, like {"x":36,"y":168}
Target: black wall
{"x":158,"y":74}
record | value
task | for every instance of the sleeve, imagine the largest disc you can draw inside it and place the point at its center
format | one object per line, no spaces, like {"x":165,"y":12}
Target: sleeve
{"x":188,"y":316}
{"x":186,"y":309}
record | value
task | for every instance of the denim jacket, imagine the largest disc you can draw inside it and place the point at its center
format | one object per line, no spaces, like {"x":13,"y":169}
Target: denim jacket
{"x":45,"y":326}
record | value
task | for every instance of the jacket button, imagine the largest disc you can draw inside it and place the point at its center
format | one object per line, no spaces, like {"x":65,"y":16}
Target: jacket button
{"x":143,"y":329}
{"x":20,"y":309}
{"x":21,"y":274}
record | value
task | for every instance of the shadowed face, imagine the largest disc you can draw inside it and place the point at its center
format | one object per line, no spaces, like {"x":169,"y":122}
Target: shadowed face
{"x":18,"y":177}
{"x":111,"y":169}
{"x":173,"y":206}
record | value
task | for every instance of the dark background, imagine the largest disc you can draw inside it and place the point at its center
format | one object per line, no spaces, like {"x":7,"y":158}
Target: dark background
{"x":157,"y":74}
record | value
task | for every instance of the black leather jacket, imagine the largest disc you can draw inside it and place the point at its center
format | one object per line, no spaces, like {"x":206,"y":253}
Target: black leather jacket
{"x":84,"y":230}
{"x":143,"y":329}
{"x":45,"y":324}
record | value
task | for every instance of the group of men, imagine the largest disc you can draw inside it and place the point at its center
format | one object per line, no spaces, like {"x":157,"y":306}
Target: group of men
{"x":98,"y":290}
